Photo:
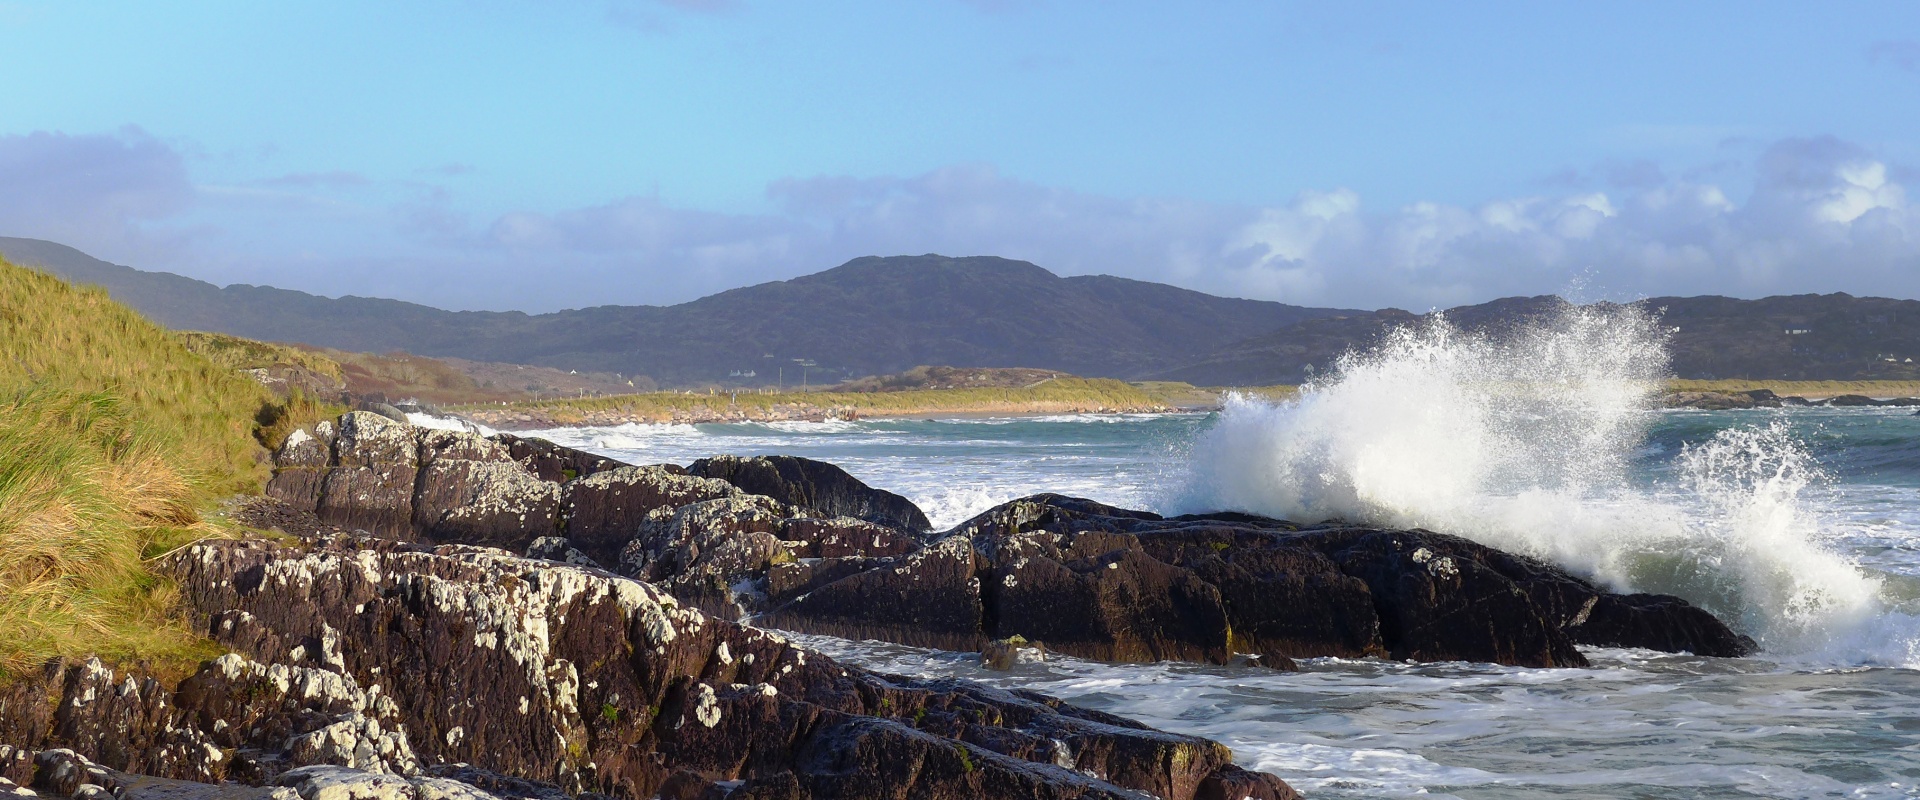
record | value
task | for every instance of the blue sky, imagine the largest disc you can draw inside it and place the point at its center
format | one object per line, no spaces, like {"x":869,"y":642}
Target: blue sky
{"x":538,"y":155}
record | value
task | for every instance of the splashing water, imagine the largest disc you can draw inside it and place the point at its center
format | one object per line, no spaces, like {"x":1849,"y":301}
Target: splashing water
{"x":1524,"y":442}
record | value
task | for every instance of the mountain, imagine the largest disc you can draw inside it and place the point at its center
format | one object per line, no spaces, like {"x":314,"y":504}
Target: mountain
{"x":1790,"y":337}
{"x":870,"y":316}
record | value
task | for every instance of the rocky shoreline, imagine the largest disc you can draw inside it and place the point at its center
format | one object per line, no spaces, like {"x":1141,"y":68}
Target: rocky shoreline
{"x":455,"y":616}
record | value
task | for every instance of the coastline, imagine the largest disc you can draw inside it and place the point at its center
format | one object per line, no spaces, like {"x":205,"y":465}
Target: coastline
{"x":1063,"y":396}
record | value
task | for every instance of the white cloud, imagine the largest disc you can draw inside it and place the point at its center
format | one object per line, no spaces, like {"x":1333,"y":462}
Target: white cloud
{"x":108,"y":190}
{"x":1822,"y":215}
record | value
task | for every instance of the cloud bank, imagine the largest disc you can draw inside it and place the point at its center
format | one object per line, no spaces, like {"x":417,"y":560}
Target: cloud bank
{"x":1803,"y":215}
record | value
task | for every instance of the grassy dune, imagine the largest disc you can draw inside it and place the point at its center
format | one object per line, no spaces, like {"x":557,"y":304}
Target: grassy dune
{"x":114,"y":439}
{"x":1808,"y":389}
{"x":1061,"y":395}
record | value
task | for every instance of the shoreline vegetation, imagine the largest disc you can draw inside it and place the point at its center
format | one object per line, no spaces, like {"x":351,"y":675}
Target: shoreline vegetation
{"x":117,"y":444}
{"x":1062,"y":395}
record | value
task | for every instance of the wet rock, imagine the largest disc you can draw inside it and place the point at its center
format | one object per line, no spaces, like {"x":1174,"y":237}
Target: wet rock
{"x":1107,"y":583}
{"x":1005,"y":654}
{"x":1440,"y":603}
{"x":1658,"y":622}
{"x":1852,"y":401}
{"x":817,"y":485}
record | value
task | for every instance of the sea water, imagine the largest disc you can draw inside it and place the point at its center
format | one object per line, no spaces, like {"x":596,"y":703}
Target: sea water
{"x":1799,"y":526}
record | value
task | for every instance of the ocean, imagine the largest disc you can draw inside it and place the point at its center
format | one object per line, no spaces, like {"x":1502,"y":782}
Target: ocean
{"x":1801,"y":526}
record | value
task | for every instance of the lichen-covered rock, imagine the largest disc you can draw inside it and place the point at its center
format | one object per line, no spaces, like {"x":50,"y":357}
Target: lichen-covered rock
{"x":575,"y":678}
{"x":605,"y":510}
{"x":719,"y":554}
{"x":470,"y":489}
{"x":551,"y":462}
{"x":814,"y":484}
{"x":555,"y":548}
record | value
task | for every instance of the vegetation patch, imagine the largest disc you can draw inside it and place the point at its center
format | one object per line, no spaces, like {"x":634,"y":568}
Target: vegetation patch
{"x":114,"y":438}
{"x":1053,"y":396}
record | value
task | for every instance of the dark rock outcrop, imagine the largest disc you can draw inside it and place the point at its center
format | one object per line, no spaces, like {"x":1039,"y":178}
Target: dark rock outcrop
{"x":393,"y":666}
{"x":1099,"y":582}
{"x":1090,"y":580}
{"x":814,"y":484}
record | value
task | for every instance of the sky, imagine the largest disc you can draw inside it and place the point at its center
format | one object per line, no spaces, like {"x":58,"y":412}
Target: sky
{"x":538,"y":155}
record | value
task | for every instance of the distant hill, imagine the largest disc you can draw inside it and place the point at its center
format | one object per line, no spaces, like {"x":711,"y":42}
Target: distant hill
{"x":870,"y":316}
{"x":1793,"y":337}
{"x":878,"y":316}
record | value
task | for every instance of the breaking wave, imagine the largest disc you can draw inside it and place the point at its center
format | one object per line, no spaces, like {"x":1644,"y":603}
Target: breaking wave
{"x":1525,"y":442}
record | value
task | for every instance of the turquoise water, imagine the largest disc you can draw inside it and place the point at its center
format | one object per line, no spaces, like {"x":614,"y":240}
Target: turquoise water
{"x":1802,"y":525}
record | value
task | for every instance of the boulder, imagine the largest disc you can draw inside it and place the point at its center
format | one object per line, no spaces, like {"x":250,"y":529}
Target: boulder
{"x":817,"y":485}
{"x":605,"y":510}
{"x":1657,"y":622}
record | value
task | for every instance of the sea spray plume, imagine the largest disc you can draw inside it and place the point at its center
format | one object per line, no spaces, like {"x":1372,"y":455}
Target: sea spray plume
{"x":1422,"y":429}
{"x":1756,"y":547}
{"x":1522,"y":441}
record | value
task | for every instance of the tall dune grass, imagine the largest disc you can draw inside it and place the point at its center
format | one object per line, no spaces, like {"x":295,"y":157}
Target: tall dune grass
{"x":86,"y":495}
{"x":114,"y":438}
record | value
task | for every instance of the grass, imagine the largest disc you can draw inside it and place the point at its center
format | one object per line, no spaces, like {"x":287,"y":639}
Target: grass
{"x":114,"y":439}
{"x":1809,"y":389}
{"x":236,"y":353}
{"x":1058,"y":395}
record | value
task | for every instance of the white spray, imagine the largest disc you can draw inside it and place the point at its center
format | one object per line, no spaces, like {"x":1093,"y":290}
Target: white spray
{"x":1523,"y":443}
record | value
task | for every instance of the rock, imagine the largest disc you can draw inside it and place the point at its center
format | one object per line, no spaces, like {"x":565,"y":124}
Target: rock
{"x":400,"y":654}
{"x":606,"y":509}
{"x":554,"y":548}
{"x":383,"y":409}
{"x":1852,"y":401}
{"x":1901,"y":402}
{"x":1438,"y":601}
{"x":1763,"y":398}
{"x":1100,"y":582}
{"x":718,"y":554}
{"x":928,"y":599}
{"x":370,"y":483}
{"x":817,"y":485}
{"x":1658,"y":622}
{"x":1004,"y":654}
{"x":551,"y":462}
{"x":322,"y":782}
